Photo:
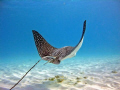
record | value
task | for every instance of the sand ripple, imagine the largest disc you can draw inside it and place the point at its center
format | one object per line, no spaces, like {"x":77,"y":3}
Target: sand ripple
{"x":102,"y":74}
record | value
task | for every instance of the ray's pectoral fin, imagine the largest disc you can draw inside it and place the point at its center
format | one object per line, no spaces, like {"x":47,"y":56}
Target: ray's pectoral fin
{"x":73,"y":52}
{"x":81,"y":40}
{"x":43,"y":47}
{"x":78,"y":46}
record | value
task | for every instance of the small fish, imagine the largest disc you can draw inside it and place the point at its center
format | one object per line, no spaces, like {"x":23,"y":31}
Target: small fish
{"x":56,"y":55}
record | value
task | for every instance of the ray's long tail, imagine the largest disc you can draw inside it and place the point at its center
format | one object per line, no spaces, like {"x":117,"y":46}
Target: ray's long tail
{"x":26,"y":74}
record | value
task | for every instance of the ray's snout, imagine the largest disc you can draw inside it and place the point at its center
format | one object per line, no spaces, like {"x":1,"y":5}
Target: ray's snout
{"x":56,"y":62}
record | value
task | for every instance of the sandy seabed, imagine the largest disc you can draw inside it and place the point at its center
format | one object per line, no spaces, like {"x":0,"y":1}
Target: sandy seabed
{"x":72,"y":74}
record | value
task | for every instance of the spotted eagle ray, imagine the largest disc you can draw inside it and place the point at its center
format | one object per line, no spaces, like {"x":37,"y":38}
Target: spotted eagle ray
{"x":51,"y":54}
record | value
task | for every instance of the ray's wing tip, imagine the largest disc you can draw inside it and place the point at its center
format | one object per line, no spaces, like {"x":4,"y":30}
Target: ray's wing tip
{"x":85,"y":22}
{"x":84,"y":26}
{"x":33,"y":31}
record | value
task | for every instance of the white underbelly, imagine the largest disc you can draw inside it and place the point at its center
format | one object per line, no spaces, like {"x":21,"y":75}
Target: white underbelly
{"x":73,"y":53}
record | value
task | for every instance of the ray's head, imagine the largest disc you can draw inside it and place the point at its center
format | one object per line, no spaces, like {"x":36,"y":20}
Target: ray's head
{"x":56,"y":62}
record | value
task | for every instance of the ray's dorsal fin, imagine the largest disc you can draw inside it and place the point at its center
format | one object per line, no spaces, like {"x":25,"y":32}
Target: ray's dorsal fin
{"x":43,"y":47}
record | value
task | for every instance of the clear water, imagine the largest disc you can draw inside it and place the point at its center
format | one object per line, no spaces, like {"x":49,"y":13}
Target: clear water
{"x":60,"y":23}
